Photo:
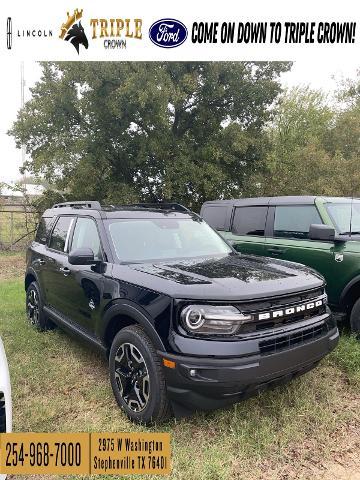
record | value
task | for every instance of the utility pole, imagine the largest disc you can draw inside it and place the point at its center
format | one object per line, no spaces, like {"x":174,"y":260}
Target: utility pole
{"x":22,"y":89}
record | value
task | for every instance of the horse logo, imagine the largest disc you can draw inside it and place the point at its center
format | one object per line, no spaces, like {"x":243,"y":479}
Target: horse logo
{"x":73,"y":31}
{"x":76,"y":35}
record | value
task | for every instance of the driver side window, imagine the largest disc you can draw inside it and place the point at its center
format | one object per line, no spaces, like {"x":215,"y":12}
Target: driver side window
{"x":86,"y":235}
{"x":294,"y":221}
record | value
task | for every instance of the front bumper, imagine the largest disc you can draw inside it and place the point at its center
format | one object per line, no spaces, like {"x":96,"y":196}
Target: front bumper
{"x":207,"y":383}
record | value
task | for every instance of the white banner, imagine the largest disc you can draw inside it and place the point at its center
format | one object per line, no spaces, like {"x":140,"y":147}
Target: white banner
{"x":163,"y":30}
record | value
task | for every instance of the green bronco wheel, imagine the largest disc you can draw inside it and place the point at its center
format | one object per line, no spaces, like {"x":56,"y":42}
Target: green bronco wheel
{"x":355,"y":317}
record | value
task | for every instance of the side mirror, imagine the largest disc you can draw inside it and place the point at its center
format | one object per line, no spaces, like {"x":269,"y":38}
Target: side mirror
{"x":322,"y":232}
{"x":82,"y":256}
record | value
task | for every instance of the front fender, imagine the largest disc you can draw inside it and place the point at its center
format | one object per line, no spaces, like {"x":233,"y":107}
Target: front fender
{"x":131,"y":310}
{"x":347,"y":288}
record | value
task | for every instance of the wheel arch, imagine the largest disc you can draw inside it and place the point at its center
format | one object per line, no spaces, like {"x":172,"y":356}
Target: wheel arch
{"x":350,"y":294}
{"x":119,"y":316}
{"x":29,"y":278}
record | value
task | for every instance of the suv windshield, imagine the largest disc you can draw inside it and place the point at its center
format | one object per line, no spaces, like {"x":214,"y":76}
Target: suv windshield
{"x":343,"y":218}
{"x":138,"y":240}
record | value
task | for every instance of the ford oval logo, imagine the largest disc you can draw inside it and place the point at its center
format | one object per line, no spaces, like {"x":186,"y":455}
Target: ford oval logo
{"x":168,"y":33}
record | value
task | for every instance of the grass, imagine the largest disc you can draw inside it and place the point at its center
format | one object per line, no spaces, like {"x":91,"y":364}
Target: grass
{"x":61,"y":385}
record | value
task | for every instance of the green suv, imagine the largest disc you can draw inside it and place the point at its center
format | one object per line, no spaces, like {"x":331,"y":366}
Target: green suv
{"x":321,"y":232}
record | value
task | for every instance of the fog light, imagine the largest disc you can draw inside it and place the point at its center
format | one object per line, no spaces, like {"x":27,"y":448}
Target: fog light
{"x":192,"y":372}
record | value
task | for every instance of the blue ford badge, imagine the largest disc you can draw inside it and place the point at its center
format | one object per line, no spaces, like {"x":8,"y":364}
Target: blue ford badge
{"x":168,"y":33}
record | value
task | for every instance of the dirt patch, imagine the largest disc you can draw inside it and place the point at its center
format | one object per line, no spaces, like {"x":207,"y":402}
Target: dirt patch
{"x":338,"y":460}
{"x":346,"y":463}
{"x":12,"y":265}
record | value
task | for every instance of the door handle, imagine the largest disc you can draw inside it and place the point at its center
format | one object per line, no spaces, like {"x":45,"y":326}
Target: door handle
{"x":276,"y":250}
{"x":65,"y":270}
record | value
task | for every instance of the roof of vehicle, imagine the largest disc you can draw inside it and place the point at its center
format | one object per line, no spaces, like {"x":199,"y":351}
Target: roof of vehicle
{"x":282,"y":200}
{"x":139,"y":210}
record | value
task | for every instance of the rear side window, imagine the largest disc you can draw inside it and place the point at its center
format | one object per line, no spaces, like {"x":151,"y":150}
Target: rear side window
{"x":215,"y":216}
{"x":294,"y":221}
{"x":43,"y":230}
{"x":249,"y":221}
{"x":60,"y":234}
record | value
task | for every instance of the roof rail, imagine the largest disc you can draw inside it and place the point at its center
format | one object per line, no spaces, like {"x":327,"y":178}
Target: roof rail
{"x":87,"y":204}
{"x":94,"y":205}
{"x":163,"y":206}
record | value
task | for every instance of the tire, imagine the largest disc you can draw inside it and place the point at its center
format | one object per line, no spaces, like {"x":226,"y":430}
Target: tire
{"x":355,"y":318}
{"x":34,"y":309}
{"x":137,"y":378}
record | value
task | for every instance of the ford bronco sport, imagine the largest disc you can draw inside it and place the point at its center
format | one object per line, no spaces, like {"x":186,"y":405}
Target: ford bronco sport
{"x":321,"y":232}
{"x":187,"y":322}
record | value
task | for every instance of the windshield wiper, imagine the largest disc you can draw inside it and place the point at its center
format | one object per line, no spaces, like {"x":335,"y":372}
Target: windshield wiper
{"x":349,"y":233}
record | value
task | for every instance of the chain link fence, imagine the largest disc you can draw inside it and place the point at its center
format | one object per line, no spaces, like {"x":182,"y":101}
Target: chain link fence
{"x":17,"y":225}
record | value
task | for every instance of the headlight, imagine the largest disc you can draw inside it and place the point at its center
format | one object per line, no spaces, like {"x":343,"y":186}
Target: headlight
{"x":212,"y":319}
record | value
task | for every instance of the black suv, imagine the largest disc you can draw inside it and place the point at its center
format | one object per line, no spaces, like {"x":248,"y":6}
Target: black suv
{"x":187,"y":322}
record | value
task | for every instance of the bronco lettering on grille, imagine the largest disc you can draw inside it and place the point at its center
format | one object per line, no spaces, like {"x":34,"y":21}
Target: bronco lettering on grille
{"x":291,"y":310}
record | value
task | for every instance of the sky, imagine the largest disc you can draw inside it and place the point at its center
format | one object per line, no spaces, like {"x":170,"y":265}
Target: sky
{"x":313,"y":71}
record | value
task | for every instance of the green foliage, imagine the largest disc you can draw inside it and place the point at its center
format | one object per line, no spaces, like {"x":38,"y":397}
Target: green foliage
{"x":126,"y":131}
{"x":315,"y":147}
{"x":297,"y":161}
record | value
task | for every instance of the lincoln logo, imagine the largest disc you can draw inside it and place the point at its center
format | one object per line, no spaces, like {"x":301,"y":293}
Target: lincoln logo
{"x":291,"y":310}
{"x":9,"y":33}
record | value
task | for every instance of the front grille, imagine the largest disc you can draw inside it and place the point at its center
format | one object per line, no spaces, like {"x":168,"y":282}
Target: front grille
{"x":283,"y":342}
{"x":278,"y":302}
{"x":2,"y":413}
{"x":256,"y":325}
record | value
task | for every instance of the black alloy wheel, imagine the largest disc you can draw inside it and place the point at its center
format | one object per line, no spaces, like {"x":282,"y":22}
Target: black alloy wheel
{"x":132,"y":377}
{"x":32,"y":306}
{"x":137,"y":377}
{"x":34,"y":309}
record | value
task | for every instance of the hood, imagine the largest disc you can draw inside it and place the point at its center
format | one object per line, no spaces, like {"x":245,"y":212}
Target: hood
{"x":231,"y":277}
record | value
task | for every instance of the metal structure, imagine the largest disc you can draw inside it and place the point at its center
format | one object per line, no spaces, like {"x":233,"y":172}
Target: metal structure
{"x":17,"y":226}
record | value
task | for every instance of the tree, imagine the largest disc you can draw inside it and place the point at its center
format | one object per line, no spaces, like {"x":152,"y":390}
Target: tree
{"x":343,"y":141}
{"x":297,"y":163}
{"x":315,"y":146}
{"x":126,"y":131}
